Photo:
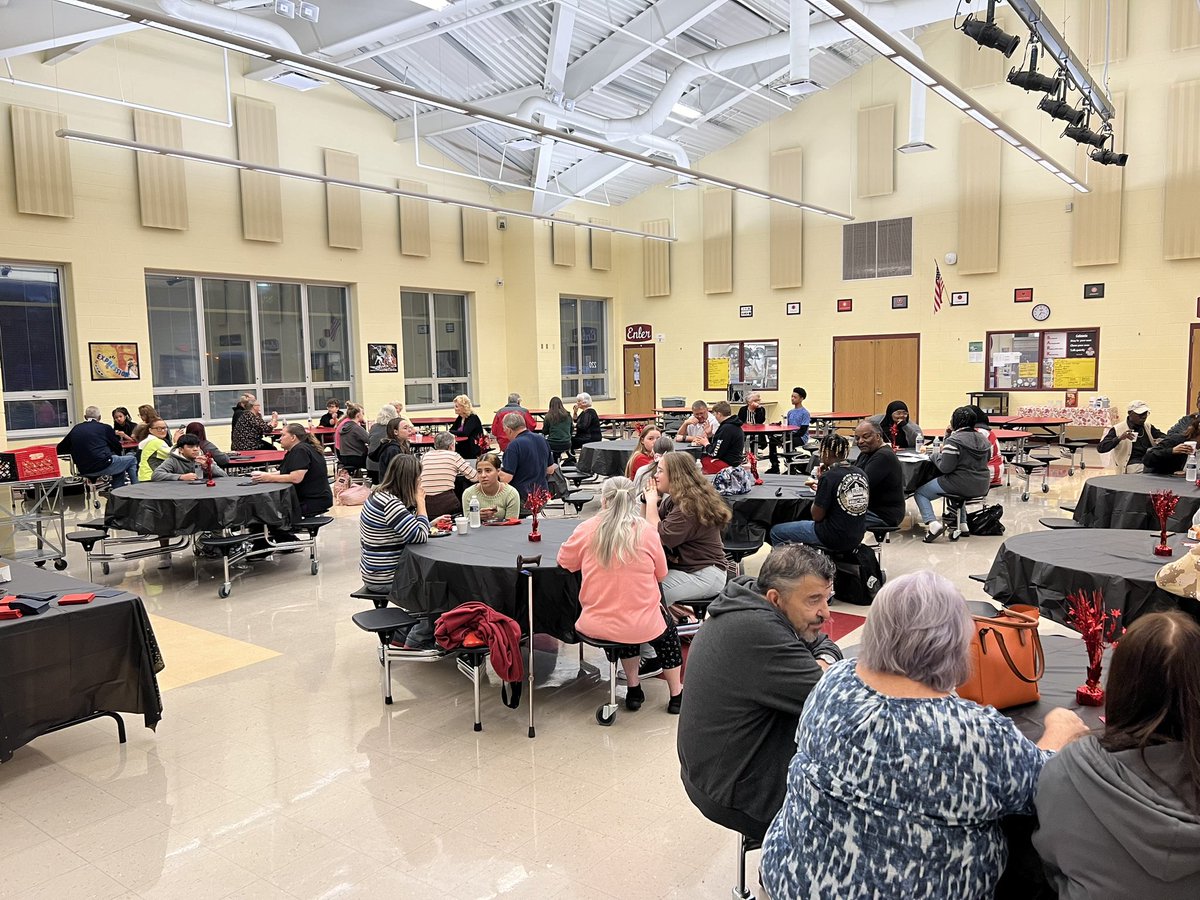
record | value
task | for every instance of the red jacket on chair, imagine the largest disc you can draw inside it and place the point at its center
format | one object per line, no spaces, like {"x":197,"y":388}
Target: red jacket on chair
{"x":501,"y":634}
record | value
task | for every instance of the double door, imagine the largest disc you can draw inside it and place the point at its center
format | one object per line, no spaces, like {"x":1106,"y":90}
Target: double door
{"x":871,"y":371}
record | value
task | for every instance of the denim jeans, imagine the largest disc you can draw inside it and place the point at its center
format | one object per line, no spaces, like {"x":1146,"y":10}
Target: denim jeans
{"x":802,"y":532}
{"x":925,"y":495}
{"x":122,"y":469}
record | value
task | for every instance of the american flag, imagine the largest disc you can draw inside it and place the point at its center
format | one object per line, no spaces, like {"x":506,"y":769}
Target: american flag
{"x":939,"y":287}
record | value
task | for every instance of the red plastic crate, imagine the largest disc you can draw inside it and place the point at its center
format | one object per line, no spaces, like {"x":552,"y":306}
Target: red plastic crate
{"x":29,"y":464}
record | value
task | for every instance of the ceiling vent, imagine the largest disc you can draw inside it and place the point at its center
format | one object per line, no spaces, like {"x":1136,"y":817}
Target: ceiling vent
{"x":296,"y":81}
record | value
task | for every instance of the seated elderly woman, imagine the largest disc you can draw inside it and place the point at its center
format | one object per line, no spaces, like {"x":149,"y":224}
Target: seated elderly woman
{"x":898,"y":786}
{"x":622,"y":561}
{"x":441,"y":468}
{"x":1119,"y":811}
{"x":587,"y":423}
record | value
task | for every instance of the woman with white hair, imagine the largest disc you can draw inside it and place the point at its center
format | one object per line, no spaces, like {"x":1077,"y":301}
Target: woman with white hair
{"x":622,"y":561}
{"x":587,"y":422}
{"x":898,"y":786}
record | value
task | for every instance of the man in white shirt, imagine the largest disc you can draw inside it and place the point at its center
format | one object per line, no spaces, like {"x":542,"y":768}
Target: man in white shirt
{"x":699,"y":427}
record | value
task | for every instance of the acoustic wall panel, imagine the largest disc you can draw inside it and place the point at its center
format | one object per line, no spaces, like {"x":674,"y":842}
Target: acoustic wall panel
{"x":787,"y":222}
{"x":718,"y":240}
{"x":562,"y":242}
{"x":414,"y":220}
{"x":1185,"y":24}
{"x":600,"y":247}
{"x":978,"y":200}
{"x":1181,"y":206}
{"x":258,"y":142}
{"x":162,"y":183}
{"x":343,"y":205}
{"x":1107,"y":38}
{"x":42,"y":163}
{"x":1096,"y":222}
{"x":656,"y":259}
{"x":876,"y":150}
{"x":475,"y":248}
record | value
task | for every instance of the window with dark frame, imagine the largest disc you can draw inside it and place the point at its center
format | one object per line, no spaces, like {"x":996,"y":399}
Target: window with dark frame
{"x":33,"y":350}
{"x":436,"y":349}
{"x":583,"y":343}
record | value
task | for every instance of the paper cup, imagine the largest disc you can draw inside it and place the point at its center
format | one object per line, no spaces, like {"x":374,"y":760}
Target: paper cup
{"x":462,"y":524}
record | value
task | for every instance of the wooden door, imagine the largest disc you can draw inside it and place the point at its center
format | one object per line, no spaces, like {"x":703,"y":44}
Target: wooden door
{"x":639,"y":379}
{"x":871,"y":371}
{"x":853,"y":376}
{"x":897,"y":361}
{"x":1193,"y":369}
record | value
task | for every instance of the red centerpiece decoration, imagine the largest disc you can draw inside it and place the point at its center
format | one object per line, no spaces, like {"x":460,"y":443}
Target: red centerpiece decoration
{"x":752,"y":460}
{"x":1164,"y":503}
{"x":208,"y":473}
{"x":892,"y":434}
{"x":537,"y":498}
{"x":483,"y":443}
{"x":1098,"y":627}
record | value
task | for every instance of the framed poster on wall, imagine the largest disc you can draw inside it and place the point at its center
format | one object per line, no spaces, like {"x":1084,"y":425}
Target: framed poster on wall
{"x":742,"y":362}
{"x":114,"y":362}
{"x":1043,"y":360}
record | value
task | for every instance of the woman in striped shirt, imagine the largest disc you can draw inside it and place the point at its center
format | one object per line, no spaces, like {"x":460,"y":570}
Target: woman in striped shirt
{"x":393,"y":516}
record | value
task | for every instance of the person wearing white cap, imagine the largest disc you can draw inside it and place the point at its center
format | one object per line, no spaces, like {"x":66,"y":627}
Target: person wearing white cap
{"x":1129,"y":446}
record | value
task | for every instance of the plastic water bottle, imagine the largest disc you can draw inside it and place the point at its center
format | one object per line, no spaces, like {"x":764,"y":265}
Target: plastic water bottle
{"x":937,"y":443}
{"x":1189,"y":473}
{"x":474,"y":513}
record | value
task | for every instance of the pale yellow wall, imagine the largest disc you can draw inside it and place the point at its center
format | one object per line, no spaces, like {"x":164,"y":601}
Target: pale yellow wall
{"x":105,"y":251}
{"x":1144,"y":317}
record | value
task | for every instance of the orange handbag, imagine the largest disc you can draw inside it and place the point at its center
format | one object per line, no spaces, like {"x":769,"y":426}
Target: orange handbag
{"x":1007,"y":659}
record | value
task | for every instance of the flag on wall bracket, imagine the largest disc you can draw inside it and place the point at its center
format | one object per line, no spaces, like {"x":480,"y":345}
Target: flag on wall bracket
{"x":939,"y":286}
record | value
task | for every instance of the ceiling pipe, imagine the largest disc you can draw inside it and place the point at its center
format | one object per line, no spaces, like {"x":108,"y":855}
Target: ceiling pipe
{"x":231,"y":21}
{"x":597,"y":125}
{"x":894,"y":16}
{"x":800,"y":53}
{"x":917,"y":95}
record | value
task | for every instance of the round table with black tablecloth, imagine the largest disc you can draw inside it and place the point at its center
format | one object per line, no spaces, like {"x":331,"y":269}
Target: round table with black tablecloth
{"x":1123,"y":501}
{"x":754,"y":513}
{"x":610,"y":457}
{"x":918,"y":469}
{"x":1042,"y":567}
{"x":481,"y":566}
{"x":167,"y":508}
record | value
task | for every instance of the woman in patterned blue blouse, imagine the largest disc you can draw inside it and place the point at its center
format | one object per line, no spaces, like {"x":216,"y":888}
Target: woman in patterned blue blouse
{"x":898,"y":786}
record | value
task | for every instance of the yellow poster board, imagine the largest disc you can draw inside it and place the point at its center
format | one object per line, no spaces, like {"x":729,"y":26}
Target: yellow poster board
{"x":718,"y":374}
{"x":1074,"y":373}
{"x":1027,"y":370}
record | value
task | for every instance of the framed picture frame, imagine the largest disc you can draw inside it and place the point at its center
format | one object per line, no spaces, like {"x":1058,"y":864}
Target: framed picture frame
{"x":900,"y":301}
{"x":845,"y":306}
{"x":1023,"y":295}
{"x":114,"y":362}
{"x":1093,"y":291}
{"x":382,"y":359}
{"x":745,"y":312}
{"x":793,"y":309}
{"x":960,"y":298}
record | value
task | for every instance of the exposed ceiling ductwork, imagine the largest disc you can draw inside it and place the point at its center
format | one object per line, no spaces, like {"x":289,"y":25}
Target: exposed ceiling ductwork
{"x":232,"y":21}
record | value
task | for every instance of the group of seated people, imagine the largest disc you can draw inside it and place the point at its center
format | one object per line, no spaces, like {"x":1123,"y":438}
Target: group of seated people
{"x":1137,"y":446}
{"x":868,"y":777}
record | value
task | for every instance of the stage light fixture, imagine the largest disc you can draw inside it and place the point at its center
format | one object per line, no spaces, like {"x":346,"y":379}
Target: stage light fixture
{"x":989,"y":34}
{"x":1034,"y":81}
{"x":1081,"y":134}
{"x":1109,"y":157}
{"x":1058,"y":108}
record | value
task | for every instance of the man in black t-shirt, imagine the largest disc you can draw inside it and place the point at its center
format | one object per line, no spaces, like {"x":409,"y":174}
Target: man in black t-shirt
{"x":839,"y":509}
{"x":304,"y":468}
{"x":728,"y":444}
{"x":885,"y":476}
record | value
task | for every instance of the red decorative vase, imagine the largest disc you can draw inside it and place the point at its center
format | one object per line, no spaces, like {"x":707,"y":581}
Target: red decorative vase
{"x":534,"y":535}
{"x":1090,"y":693}
{"x":1162,"y":549}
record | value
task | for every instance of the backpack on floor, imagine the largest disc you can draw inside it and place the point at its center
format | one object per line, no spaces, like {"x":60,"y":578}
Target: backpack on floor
{"x":858,"y":577}
{"x":986,"y":521}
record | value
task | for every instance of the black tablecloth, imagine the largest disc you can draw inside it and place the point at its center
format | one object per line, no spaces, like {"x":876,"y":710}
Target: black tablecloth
{"x":482,"y":566}
{"x":1042,"y":567}
{"x":610,"y":457}
{"x":1123,"y":501}
{"x":754,"y":513}
{"x":72,"y":661}
{"x":180,"y":507}
{"x":917,"y":470}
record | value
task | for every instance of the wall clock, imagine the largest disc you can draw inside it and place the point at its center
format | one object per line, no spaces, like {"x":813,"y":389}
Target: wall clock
{"x":1041,"y":312}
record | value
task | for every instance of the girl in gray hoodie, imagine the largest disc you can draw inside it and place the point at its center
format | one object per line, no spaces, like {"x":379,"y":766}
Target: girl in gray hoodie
{"x":962,"y":464}
{"x":1119,"y":811}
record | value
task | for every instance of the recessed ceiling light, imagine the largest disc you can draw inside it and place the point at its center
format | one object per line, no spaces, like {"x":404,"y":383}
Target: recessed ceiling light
{"x":685,"y":111}
{"x":799,"y":88}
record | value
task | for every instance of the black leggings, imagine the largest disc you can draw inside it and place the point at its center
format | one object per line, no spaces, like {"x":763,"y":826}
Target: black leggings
{"x":666,"y":645}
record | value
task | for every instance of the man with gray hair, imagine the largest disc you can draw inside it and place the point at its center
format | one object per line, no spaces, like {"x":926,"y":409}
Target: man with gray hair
{"x":528,"y":459}
{"x":96,"y":451}
{"x":750,"y":669}
{"x":513,"y":406}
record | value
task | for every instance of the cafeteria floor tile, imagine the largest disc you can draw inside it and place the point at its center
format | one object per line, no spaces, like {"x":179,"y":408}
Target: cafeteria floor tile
{"x":277,"y":771}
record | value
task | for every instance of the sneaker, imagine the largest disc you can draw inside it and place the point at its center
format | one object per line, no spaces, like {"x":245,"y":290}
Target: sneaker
{"x":634,"y":698}
{"x":935,"y":528}
{"x":649,"y":667}
{"x":674,"y":703}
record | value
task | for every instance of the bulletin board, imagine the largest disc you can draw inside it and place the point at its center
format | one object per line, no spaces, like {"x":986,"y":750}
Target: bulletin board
{"x":755,"y":363}
{"x":1062,"y":359}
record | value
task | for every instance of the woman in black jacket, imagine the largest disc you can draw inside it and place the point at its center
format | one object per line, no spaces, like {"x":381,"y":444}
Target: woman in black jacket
{"x":467,"y":425}
{"x":587,"y":423}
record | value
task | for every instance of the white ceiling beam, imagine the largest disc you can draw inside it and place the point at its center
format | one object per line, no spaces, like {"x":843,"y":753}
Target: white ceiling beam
{"x":62,"y":40}
{"x":562,"y":29}
{"x":622,"y":50}
{"x":440,"y":121}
